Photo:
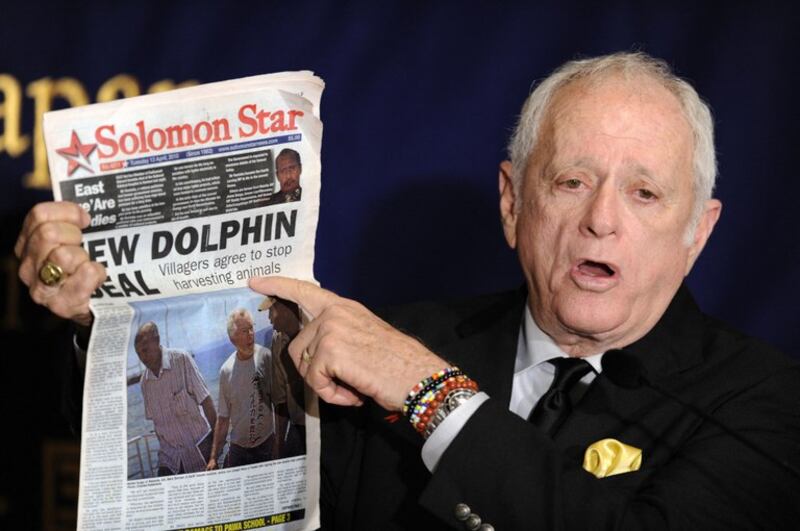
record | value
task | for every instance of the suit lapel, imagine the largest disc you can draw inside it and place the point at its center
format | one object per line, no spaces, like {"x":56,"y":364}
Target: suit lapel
{"x":487,"y":348}
{"x":675,"y":344}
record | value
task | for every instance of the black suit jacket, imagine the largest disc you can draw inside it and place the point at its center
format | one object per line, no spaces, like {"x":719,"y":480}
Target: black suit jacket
{"x":693,"y":475}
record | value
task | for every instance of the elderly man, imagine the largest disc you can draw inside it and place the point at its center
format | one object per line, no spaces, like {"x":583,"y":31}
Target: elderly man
{"x":607,"y":200}
{"x":173,"y":388}
{"x":288,"y":169}
{"x":244,"y":407}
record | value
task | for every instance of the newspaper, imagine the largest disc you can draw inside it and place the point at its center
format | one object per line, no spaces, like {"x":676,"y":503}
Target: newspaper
{"x":194,"y":416}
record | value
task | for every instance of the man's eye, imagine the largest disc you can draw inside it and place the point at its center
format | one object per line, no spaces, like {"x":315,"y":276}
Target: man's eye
{"x":572,"y":184}
{"x":646,"y":194}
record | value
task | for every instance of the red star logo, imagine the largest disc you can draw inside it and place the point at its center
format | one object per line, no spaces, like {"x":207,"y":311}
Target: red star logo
{"x":75,"y":153}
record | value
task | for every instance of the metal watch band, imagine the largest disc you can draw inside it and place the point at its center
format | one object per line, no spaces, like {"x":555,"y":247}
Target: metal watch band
{"x":454,"y":398}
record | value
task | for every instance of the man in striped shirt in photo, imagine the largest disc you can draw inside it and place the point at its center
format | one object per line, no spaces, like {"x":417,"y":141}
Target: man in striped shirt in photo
{"x":177,"y":400}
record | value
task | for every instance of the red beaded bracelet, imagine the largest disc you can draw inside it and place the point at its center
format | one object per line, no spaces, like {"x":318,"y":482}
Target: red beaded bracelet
{"x":419,"y":391}
{"x":426,"y":400}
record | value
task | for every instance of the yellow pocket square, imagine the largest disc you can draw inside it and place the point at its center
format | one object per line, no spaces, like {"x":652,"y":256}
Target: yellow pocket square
{"x":608,"y":457}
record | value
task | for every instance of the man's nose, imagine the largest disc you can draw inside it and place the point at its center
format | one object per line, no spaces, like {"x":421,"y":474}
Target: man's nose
{"x":601,"y":217}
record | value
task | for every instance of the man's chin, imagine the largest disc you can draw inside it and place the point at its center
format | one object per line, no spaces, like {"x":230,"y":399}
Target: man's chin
{"x":245,"y":352}
{"x":591,"y":316}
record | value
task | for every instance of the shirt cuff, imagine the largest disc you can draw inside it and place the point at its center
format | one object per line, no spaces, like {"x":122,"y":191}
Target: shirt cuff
{"x":446,"y":432}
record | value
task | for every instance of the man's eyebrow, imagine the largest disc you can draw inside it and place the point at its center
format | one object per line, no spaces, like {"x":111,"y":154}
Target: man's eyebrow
{"x":631,"y":166}
{"x":554,"y":166}
{"x":638,"y":169}
{"x":656,"y":178}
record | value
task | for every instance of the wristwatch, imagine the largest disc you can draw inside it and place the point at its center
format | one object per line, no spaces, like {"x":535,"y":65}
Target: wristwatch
{"x":454,"y":398}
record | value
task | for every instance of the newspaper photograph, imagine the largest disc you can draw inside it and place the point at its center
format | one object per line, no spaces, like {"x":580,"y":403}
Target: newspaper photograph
{"x":194,"y":416}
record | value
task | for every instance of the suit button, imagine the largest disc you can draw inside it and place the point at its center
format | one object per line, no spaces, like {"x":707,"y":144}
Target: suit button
{"x":462,"y":512}
{"x":486,"y":527}
{"x":473,"y":522}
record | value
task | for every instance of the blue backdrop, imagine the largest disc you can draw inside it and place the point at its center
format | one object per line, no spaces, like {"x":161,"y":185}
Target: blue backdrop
{"x":419,"y":102}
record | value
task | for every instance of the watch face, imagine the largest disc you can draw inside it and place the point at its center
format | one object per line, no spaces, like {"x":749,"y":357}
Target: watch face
{"x":458,"y":397}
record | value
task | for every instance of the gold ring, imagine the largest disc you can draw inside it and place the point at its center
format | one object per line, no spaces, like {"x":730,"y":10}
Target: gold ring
{"x":51,"y":274}
{"x":307,"y":357}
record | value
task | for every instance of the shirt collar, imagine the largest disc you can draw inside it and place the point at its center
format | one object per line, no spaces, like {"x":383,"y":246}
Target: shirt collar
{"x":536,"y":347}
{"x":164,"y":365}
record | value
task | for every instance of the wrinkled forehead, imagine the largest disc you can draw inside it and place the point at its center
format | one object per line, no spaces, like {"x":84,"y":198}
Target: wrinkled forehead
{"x":242,"y":323}
{"x":621,"y":102}
{"x":634,"y":117}
{"x":146,"y":337}
{"x":286,"y":160}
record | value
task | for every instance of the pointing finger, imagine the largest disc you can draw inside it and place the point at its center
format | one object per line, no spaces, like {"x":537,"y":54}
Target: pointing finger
{"x":311,"y":297}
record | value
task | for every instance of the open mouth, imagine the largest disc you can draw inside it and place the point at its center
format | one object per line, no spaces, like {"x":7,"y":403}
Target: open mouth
{"x":595,"y":269}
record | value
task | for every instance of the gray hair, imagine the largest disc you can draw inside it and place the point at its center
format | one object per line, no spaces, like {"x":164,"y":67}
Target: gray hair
{"x":524,"y":138}
{"x":235,"y":314}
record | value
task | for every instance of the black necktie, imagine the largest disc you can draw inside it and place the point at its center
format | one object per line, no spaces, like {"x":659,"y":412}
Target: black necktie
{"x":555,"y":405}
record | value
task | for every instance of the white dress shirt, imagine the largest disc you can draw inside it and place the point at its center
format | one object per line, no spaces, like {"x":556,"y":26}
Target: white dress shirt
{"x":532,"y":378}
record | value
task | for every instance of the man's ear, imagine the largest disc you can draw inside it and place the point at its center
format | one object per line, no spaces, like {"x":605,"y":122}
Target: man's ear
{"x":705,"y":225}
{"x":508,"y":203}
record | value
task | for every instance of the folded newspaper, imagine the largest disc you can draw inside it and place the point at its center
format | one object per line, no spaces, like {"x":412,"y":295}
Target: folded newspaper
{"x":194,"y":416}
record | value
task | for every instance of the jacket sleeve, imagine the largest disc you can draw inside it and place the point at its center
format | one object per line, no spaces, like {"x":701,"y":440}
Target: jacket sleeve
{"x":72,"y":383}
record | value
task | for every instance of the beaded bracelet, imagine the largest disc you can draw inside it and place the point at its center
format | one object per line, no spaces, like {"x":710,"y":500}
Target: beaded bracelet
{"x":425,"y":411}
{"x":426,"y":397}
{"x":418,"y":391}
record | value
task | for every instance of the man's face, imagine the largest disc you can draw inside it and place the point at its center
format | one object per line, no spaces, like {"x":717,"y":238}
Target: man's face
{"x":282,"y":318}
{"x":288,"y":171}
{"x":149,"y":351}
{"x":275,"y":316}
{"x":243,"y":337}
{"x":604,"y":207}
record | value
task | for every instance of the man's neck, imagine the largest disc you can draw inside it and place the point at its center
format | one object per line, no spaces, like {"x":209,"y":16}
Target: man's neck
{"x":244,"y":356}
{"x":156,"y":369}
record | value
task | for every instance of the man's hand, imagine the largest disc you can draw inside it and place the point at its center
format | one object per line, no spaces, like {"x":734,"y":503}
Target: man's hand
{"x":347,"y":352}
{"x":52,"y":232}
{"x":220,"y":434}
